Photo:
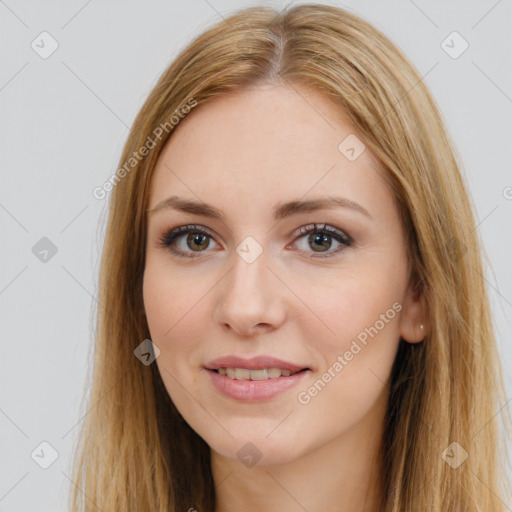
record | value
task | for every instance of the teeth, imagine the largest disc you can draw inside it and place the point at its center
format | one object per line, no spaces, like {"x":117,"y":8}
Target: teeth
{"x":246,"y":374}
{"x":242,"y":374}
{"x":252,"y":374}
{"x":274,"y":373}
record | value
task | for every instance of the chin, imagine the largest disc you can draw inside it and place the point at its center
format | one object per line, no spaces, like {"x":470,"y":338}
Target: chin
{"x":256,"y":451}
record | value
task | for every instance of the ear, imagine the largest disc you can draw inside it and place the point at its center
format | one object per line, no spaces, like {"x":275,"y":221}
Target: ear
{"x":413,"y":320}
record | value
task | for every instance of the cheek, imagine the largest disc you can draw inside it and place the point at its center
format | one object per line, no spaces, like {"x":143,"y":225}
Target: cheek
{"x":174,"y":311}
{"x":340,"y":309}
{"x":360,"y":334}
{"x":175,"y":314}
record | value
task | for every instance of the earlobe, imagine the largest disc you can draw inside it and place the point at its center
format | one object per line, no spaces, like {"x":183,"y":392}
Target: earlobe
{"x":413,"y":324}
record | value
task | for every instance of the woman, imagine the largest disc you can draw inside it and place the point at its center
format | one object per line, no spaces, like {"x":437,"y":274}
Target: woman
{"x":293,"y":310}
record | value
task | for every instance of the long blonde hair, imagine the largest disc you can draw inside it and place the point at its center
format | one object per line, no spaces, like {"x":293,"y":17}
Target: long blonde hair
{"x":135,"y":451}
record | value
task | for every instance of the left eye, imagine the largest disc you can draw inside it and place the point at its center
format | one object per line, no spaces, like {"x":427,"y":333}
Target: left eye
{"x":322,"y":237}
{"x":200,"y":238}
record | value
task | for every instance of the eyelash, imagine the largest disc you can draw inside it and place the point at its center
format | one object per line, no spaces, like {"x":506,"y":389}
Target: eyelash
{"x":168,"y":238}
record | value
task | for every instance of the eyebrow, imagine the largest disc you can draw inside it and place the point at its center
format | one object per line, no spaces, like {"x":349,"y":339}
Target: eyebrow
{"x":280,"y":211}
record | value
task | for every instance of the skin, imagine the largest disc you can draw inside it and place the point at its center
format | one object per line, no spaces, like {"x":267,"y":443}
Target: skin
{"x":245,"y":153}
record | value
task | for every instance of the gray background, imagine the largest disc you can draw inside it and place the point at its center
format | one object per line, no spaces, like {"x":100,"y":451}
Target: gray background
{"x":63,"y":122}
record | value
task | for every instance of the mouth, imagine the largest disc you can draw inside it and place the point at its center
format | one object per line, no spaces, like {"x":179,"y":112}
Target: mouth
{"x":254,"y":385}
{"x":255,"y":374}
{"x":251,"y":379}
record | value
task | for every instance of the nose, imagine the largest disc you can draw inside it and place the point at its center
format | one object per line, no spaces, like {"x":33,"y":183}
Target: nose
{"x":250,"y":298}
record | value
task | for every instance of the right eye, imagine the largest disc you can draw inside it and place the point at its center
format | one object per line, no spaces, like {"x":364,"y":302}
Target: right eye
{"x":197,"y":237}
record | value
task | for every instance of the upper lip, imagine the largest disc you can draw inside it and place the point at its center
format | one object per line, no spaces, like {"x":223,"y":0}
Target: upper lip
{"x":253,"y":363}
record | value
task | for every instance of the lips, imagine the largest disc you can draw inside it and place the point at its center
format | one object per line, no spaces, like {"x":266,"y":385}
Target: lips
{"x":254,"y":363}
{"x":254,"y":390}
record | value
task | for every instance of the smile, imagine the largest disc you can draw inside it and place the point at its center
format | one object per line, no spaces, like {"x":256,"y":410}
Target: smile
{"x":262,"y":374}
{"x":240,"y":384}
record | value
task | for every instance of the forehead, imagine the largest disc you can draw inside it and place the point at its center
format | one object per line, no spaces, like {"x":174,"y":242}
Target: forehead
{"x":264,"y":145}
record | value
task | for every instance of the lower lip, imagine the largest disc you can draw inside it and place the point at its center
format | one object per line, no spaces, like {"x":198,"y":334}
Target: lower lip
{"x":254,"y":390}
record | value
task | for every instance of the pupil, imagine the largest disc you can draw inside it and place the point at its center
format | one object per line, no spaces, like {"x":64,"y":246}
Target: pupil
{"x":197,"y":237}
{"x":321,"y":238}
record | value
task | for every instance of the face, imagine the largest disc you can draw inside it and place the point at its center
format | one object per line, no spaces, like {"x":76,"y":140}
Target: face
{"x":248,"y":283}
